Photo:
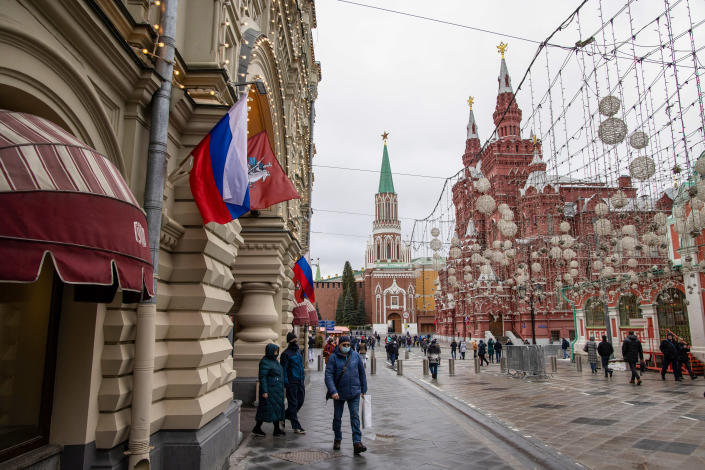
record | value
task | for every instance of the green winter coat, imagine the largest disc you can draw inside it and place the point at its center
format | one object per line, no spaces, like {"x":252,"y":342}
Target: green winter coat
{"x":490,"y":347}
{"x":271,"y":382}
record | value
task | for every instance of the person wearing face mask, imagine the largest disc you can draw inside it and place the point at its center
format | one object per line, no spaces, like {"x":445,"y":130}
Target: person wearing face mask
{"x":270,"y":408}
{"x":346,"y":383}
{"x":292,"y":362}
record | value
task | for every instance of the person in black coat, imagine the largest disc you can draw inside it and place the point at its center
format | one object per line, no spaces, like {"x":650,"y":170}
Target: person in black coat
{"x":453,"y":348}
{"x":605,"y":350}
{"x":684,"y":359}
{"x":670,"y":357}
{"x":632,"y":353}
{"x":270,"y":408}
{"x":393,"y":351}
{"x":292,"y":362}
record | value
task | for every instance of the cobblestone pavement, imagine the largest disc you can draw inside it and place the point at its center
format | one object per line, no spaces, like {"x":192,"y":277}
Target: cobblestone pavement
{"x":411,"y":430}
{"x":604,"y":424}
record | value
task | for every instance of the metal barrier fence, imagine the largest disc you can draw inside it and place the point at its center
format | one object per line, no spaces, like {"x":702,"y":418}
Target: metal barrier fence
{"x":526,"y":361}
{"x":552,"y":350}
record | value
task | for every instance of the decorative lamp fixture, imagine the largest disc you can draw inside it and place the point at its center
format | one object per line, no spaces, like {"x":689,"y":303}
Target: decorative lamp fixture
{"x":609,"y":105}
{"x":642,"y":168}
{"x":639,"y":140}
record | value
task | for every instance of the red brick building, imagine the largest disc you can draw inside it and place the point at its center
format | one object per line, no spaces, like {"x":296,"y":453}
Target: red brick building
{"x":542,"y":233}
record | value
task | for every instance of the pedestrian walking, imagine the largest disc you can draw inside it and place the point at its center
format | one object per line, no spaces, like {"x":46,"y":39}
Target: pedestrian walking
{"x":453,"y":348}
{"x":490,"y":349}
{"x":510,"y":343}
{"x":462,"y":348}
{"x":393,"y":352}
{"x":591,"y":349}
{"x":270,"y":407}
{"x":424,"y":345}
{"x":292,"y":363}
{"x":498,"y":350}
{"x":434,"y":358}
{"x":362,"y":351}
{"x":346,"y":383}
{"x":474,"y":348}
{"x":670,"y":357}
{"x":684,"y":358}
{"x":605,"y":350}
{"x":328,"y":349}
{"x":482,"y":352}
{"x":632,"y":353}
{"x":564,"y":347}
{"x":372,"y":342}
{"x":408,"y":342}
{"x":311,"y":346}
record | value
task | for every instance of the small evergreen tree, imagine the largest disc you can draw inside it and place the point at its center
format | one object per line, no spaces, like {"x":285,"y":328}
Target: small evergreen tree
{"x":348,"y":281}
{"x":339,"y":319}
{"x":318,"y":312}
{"x":349,"y":310}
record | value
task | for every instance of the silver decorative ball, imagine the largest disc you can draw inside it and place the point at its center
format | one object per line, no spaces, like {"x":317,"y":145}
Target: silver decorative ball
{"x":612,"y":131}
{"x":435,"y":232}
{"x":639,"y":140}
{"x":609,"y":105}
{"x":642,"y":168}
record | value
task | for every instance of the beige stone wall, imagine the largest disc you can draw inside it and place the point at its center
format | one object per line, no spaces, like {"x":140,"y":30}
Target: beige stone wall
{"x":69,"y":66}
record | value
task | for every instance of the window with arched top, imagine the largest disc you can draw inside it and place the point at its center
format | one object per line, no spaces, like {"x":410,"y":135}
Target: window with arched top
{"x":628,"y":307}
{"x":672,"y":314}
{"x":389,"y":250}
{"x":594,"y":313}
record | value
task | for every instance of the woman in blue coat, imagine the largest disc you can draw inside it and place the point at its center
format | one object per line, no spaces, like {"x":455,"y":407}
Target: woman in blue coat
{"x":271,"y":388}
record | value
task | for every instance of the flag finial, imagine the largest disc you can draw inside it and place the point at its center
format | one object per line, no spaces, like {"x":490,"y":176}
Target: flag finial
{"x":502,"y":47}
{"x":384,"y":136}
{"x":471,"y":100}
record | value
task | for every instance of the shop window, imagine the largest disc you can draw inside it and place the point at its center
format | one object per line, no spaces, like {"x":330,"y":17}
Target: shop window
{"x":29,"y":324}
{"x":555,"y":335}
{"x":594,"y":313}
{"x":628,"y":309}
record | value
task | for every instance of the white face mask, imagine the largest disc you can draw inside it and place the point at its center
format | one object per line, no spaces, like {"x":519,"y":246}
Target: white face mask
{"x":345,"y":349}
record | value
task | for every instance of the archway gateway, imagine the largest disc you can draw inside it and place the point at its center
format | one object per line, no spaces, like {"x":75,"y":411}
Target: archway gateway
{"x":496,"y":325}
{"x":394,"y":323}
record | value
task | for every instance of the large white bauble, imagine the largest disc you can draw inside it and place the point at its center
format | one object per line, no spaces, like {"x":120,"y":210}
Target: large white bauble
{"x":467,"y":269}
{"x":508,"y":228}
{"x":601,"y":209}
{"x":467,"y":277}
{"x":567,"y":240}
{"x":619,"y":199}
{"x":477,"y":258}
{"x":555,"y":252}
{"x":455,"y":252}
{"x":496,"y":244}
{"x":507,"y":244}
{"x":451,"y":271}
{"x":603,"y":227}
{"x":632,"y":263}
{"x":485,"y":204}
{"x":452,"y":280}
{"x":436,"y":244}
{"x":475,"y":247}
{"x":598,"y":264}
{"x":536,"y":267}
{"x":573,"y":272}
{"x":568,"y":254}
{"x":503,"y":207}
{"x":482,"y":185}
{"x":660,"y":219}
{"x":508,"y":215}
{"x":612,"y":131}
{"x":629,"y":230}
{"x":639,"y":140}
{"x":642,"y":168}
{"x":609,"y":105}
{"x":564,"y":227}
{"x":435,"y":232}
{"x":510,"y":253}
{"x":573,"y":264}
{"x":555,"y":240}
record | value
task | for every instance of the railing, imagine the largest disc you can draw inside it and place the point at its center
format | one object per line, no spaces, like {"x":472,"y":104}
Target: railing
{"x":526,"y":361}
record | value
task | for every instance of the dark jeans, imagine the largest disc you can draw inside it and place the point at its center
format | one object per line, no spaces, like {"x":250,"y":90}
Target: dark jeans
{"x":433,"y":367}
{"x":674,"y":363}
{"x":605,"y":364}
{"x":499,"y":355}
{"x":452,"y":353}
{"x":295,"y":394}
{"x":483,"y":359}
{"x":462,"y":355}
{"x":632,"y":366}
{"x":687,"y":366}
{"x":354,"y":410}
{"x":392,"y":358}
{"x":491,"y":356}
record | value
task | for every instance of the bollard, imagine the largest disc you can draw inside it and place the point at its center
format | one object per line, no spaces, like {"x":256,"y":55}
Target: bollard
{"x":451,"y":367}
{"x":477,"y":365}
{"x":425,"y":367}
{"x":554,"y":364}
{"x":579,"y":363}
{"x":406,"y":354}
{"x":503,"y":364}
{"x":400,"y":367}
{"x":373,"y":365}
{"x":320,"y":363}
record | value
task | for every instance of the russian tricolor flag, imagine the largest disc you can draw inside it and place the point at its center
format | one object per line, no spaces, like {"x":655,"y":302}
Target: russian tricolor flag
{"x":219,"y":182}
{"x":303,"y":278}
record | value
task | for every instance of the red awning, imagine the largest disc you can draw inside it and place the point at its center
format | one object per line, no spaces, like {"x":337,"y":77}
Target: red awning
{"x":313,"y":315}
{"x":300,"y":314}
{"x":63,"y":201}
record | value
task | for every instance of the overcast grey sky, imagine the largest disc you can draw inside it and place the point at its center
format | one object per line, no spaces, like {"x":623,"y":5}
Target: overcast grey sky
{"x":410,"y":77}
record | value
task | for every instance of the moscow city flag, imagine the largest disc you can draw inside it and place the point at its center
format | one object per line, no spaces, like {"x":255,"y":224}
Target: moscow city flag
{"x":269,"y":184}
{"x":219,"y":177}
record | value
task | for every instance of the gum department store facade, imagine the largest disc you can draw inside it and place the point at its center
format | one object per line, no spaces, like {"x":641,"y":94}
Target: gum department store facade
{"x":79,"y":66}
{"x":490,"y":306}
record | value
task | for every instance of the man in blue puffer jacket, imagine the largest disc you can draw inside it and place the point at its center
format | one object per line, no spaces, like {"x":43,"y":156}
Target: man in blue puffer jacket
{"x":346,"y":383}
{"x":294,"y":380}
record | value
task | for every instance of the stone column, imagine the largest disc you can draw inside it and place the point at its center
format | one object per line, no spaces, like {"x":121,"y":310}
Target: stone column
{"x":259,"y":271}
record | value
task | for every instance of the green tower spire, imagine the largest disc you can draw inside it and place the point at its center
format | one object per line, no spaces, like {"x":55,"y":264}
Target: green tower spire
{"x":386,"y":185}
{"x":318,"y":272}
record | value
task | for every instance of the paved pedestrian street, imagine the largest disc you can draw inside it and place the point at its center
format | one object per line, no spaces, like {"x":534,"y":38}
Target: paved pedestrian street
{"x":412,"y":429}
{"x":603,"y":424}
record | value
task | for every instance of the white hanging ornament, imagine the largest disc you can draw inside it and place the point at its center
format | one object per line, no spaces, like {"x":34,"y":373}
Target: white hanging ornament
{"x":451,"y":271}
{"x":507,"y":244}
{"x":609,"y":105}
{"x":455,"y":252}
{"x":555,"y":252}
{"x":567,"y":241}
{"x":467,"y":269}
{"x":632,"y":263}
{"x":639,"y":140}
{"x":436,"y":244}
{"x":564,"y":227}
{"x":700,"y":166}
{"x":573,"y":264}
{"x":601,"y":209}
{"x":603,"y":227}
{"x":435,"y":232}
{"x":507,"y":215}
{"x":454,"y":241}
{"x":485,"y":204}
{"x":612,"y":131}
{"x":629,"y":230}
{"x":508,"y":228}
{"x":660,"y":219}
{"x":619,"y":199}
{"x":482,"y":185}
{"x":642,"y":168}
